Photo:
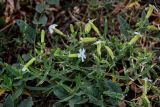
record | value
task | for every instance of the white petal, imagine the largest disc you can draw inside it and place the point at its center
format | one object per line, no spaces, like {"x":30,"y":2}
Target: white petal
{"x":82,"y":59}
{"x":52,"y":27}
{"x":79,"y":55}
{"x":97,"y":42}
{"x":24,"y":69}
{"x":150,"y":80}
{"x":137,"y":33}
{"x":83,"y":50}
{"x":50,"y":30}
{"x":146,"y":79}
{"x":80,"y":50}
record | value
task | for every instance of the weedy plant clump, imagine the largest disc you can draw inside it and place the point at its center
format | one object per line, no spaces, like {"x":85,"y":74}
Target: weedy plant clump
{"x":86,"y":67}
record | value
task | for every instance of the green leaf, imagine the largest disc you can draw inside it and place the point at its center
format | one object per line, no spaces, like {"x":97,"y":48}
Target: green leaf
{"x":146,"y":102}
{"x":58,"y":52}
{"x":60,"y":93}
{"x":142,"y":73}
{"x":26,"y":57}
{"x":7,"y":82}
{"x":143,"y":22}
{"x":105,"y":27}
{"x":12,"y":70}
{"x":17,"y":93}
{"x":26,"y":102}
{"x":112,"y":86}
{"x":42,"y":20}
{"x":77,"y":100}
{"x":124,"y":26}
{"x":114,"y":95}
{"x":66,"y":99}
{"x":53,"y":2}
{"x":27,"y":31}
{"x":9,"y":102}
{"x":39,"y":88}
{"x":95,"y":100}
{"x":110,"y":52}
{"x":41,"y":7}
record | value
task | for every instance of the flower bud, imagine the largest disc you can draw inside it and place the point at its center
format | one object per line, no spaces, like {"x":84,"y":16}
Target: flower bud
{"x":99,"y":46}
{"x":134,"y":39}
{"x":42,"y":36}
{"x":152,"y":28}
{"x":88,"y":39}
{"x":151,"y":7}
{"x":30,"y":62}
{"x":110,"y":52}
{"x":73,"y":55}
{"x":59,"y":32}
{"x":71,"y":28}
{"x":94,"y":27}
{"x":87,"y":28}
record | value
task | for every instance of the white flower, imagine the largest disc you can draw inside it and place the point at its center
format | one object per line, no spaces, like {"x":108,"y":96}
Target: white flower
{"x":138,"y":33}
{"x":146,"y":79}
{"x":82,"y":54}
{"x":97,"y":42}
{"x":24,"y":68}
{"x":52,"y":27}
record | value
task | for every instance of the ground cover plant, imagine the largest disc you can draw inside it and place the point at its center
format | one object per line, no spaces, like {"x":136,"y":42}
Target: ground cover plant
{"x":83,"y":53}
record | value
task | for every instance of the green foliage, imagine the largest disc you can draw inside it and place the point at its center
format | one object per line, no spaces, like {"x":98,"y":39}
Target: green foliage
{"x":111,"y":64}
{"x":41,"y":20}
{"x":124,"y":26}
{"x":75,"y":83}
{"x":26,"y":102}
{"x":41,"y":7}
{"x":27,"y":31}
{"x":9,"y":102}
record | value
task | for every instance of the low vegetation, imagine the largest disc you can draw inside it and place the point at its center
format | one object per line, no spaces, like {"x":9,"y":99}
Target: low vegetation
{"x":79,"y":54}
